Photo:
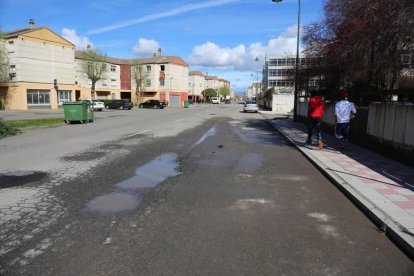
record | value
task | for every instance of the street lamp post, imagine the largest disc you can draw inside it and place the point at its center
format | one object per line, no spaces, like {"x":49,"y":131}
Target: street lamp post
{"x":295,"y":98}
{"x":257,"y":78}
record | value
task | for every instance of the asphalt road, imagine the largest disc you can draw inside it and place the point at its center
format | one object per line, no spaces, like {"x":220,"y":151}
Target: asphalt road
{"x":199,"y":191}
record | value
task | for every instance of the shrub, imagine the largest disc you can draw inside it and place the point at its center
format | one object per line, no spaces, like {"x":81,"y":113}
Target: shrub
{"x":7,"y":130}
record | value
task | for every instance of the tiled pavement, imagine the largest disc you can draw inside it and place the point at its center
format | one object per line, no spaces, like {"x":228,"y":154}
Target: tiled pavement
{"x":382,"y":188}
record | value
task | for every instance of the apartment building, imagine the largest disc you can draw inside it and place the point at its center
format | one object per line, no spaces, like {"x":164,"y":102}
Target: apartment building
{"x":40,"y":68}
{"x":164,"y":78}
{"x":196,"y":85}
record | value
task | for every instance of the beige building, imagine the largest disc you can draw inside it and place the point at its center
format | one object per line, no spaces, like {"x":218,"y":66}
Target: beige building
{"x":38,"y":62}
{"x":196,"y":85}
{"x":164,"y":78}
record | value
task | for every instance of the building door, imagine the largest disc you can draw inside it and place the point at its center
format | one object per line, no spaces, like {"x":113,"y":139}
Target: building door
{"x":175,"y":101}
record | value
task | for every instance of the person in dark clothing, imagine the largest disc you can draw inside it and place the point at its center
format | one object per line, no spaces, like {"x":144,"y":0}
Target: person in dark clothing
{"x":316,"y":108}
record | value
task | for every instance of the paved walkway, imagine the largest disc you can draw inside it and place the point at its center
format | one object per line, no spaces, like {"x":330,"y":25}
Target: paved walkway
{"x":381,"y":187}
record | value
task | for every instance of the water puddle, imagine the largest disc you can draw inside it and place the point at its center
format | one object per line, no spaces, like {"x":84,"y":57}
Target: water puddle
{"x":127,"y":198}
{"x":114,"y":203}
{"x":152,"y":173}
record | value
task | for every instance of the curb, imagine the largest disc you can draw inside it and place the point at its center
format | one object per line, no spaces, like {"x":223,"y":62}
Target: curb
{"x":384,"y":222}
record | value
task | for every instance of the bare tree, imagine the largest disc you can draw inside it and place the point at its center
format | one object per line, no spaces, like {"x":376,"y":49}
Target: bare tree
{"x":4,"y":61}
{"x":361,"y":41}
{"x":94,"y":66}
{"x":139,"y":76}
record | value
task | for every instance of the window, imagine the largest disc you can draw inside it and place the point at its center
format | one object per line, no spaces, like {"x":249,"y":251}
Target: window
{"x":11,"y":41}
{"x":147,"y":83}
{"x":38,"y":97}
{"x":63,"y":96}
{"x":162,"y":82}
{"x":148,"y":68}
{"x":280,"y":83}
{"x":113,"y":68}
{"x":162,"y":67}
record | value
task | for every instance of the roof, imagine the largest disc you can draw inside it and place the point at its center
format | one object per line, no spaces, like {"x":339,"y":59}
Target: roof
{"x":142,"y":61}
{"x":38,"y":33}
{"x":17,"y":32}
{"x":196,"y":73}
{"x":161,"y":60}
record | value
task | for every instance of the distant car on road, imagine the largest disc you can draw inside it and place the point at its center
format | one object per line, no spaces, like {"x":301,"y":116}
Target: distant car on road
{"x":227,"y":101}
{"x":250,"y":106}
{"x":121,"y":104}
{"x":214,"y":100}
{"x":152,"y":104}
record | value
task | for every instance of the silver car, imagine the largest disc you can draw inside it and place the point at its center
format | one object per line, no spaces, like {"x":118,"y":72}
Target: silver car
{"x":250,"y":106}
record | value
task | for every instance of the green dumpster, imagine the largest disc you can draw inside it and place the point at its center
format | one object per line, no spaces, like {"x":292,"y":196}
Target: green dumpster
{"x":186,"y":104}
{"x":89,"y":112}
{"x":78,"y":112}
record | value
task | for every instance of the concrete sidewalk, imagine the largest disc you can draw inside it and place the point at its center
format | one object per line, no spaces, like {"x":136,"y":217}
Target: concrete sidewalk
{"x":382,"y":188}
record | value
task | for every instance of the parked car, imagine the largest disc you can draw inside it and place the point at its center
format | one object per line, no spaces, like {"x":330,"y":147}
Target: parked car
{"x":164,"y":103}
{"x":214,"y":100}
{"x":121,"y":104}
{"x":250,"y":106}
{"x":98,"y":105}
{"x":227,"y":101}
{"x":152,"y":104}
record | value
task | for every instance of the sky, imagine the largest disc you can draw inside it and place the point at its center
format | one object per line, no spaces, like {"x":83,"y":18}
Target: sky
{"x":218,"y":37}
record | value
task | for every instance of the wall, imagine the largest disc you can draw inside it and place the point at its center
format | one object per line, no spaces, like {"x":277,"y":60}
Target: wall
{"x":282,"y":103}
{"x":392,"y":122}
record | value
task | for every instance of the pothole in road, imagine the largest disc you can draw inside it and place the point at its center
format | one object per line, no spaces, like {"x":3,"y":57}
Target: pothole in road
{"x":111,"y":146}
{"x":85,"y":156}
{"x":128,"y":198}
{"x":114,"y":203}
{"x":13,"y":179}
{"x":152,"y":173}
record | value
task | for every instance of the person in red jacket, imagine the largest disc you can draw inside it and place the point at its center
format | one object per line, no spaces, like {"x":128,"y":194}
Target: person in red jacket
{"x":316,"y":108}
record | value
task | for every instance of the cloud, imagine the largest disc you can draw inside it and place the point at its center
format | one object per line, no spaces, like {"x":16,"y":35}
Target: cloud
{"x":242,"y":57}
{"x":80,"y":42}
{"x":169,"y":13}
{"x":145,"y":47}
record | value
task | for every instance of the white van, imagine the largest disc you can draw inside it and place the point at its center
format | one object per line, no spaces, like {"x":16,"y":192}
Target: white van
{"x":214,"y":100}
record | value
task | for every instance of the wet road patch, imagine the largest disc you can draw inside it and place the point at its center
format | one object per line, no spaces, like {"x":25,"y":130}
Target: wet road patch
{"x":128,"y":196}
{"x":13,"y":179}
{"x":152,"y":173}
{"x":114,"y":203}
{"x":85,"y":156}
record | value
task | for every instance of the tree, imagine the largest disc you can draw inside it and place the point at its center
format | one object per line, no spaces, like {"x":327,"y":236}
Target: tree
{"x":139,"y":75}
{"x":4,"y":61}
{"x":224,"y":91}
{"x":209,"y":92}
{"x":361,"y":42}
{"x":94,"y":66}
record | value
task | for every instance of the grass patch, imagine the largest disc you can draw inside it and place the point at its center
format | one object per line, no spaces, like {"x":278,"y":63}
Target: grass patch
{"x":50,"y":122}
{"x":7,"y":130}
{"x":11,"y":128}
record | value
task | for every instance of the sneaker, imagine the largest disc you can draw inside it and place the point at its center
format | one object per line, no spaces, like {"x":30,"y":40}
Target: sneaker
{"x":342,"y":144}
{"x":320,"y":144}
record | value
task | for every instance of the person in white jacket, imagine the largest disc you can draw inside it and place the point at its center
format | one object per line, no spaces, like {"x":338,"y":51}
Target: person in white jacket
{"x":344,"y":111}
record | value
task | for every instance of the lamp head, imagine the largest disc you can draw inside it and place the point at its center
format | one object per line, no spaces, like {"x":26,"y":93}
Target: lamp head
{"x":277,"y":1}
